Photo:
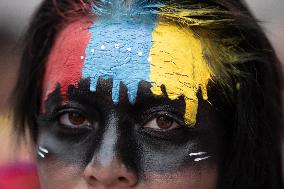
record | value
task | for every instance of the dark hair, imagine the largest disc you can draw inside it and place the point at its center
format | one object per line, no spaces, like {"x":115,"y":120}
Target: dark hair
{"x":252,"y":146}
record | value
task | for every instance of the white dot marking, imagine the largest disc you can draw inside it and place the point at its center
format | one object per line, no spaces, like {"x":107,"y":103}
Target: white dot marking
{"x":117,"y":46}
{"x":197,"y":154}
{"x":41,"y":154}
{"x":43,"y":149}
{"x":200,"y":159}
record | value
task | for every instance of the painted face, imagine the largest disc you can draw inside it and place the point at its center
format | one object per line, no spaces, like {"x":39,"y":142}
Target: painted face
{"x":124,"y":106}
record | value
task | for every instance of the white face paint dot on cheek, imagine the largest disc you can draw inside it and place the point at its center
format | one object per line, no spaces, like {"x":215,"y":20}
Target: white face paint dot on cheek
{"x":199,"y":156}
{"x":42,"y":152}
{"x":201,"y":159}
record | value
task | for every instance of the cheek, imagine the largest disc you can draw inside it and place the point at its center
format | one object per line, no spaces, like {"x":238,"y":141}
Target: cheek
{"x":65,"y":146}
{"x":60,"y":175}
{"x":201,"y":177}
{"x":63,"y":166}
{"x":162,"y":156}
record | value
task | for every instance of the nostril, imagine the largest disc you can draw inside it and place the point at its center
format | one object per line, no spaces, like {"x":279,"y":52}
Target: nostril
{"x":122,"y":179}
{"x":93,"y":178}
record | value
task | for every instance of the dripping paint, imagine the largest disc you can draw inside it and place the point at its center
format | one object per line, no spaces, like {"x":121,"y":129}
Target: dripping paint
{"x":120,"y":52}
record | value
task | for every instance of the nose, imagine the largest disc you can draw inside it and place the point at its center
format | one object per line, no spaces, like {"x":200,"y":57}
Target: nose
{"x":111,"y":175}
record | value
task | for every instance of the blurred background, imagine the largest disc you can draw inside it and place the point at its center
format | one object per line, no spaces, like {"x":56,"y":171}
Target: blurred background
{"x":14,"y":17}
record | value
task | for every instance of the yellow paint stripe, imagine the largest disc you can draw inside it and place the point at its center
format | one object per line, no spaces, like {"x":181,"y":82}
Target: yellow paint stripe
{"x":177,"y":62}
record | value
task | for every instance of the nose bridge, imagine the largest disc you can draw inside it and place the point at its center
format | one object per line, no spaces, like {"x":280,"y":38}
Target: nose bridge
{"x":107,"y":169}
{"x":108,"y":147}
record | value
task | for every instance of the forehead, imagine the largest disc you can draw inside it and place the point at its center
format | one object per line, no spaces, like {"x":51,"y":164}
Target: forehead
{"x":129,"y":51}
{"x":66,"y":59}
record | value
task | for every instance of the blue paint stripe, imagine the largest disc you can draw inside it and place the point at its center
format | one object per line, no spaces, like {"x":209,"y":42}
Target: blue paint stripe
{"x":119,"y":50}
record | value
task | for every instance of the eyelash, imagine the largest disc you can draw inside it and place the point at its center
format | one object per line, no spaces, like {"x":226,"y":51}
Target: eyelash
{"x":60,"y":111}
{"x":155,"y":115}
{"x":150,"y":115}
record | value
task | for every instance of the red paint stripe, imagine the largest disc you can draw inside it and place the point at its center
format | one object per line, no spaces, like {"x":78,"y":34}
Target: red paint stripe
{"x":66,"y":59}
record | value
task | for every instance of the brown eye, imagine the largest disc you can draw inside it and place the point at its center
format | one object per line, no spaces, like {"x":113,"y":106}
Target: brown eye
{"x":74,"y":119}
{"x":162,"y":123}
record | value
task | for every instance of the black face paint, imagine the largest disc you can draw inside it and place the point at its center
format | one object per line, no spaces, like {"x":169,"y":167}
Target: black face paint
{"x":117,"y":131}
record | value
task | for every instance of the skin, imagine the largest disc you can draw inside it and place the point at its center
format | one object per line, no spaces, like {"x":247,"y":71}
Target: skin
{"x":145,"y":144}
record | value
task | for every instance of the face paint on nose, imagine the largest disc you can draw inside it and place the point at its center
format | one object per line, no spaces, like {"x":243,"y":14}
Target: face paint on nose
{"x":107,"y":150}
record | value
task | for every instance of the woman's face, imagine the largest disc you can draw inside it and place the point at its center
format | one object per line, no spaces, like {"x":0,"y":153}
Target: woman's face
{"x":122,"y":107}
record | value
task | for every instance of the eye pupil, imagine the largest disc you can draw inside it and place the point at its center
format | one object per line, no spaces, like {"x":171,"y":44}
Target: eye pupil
{"x":164,"y":122}
{"x":76,"y":119}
